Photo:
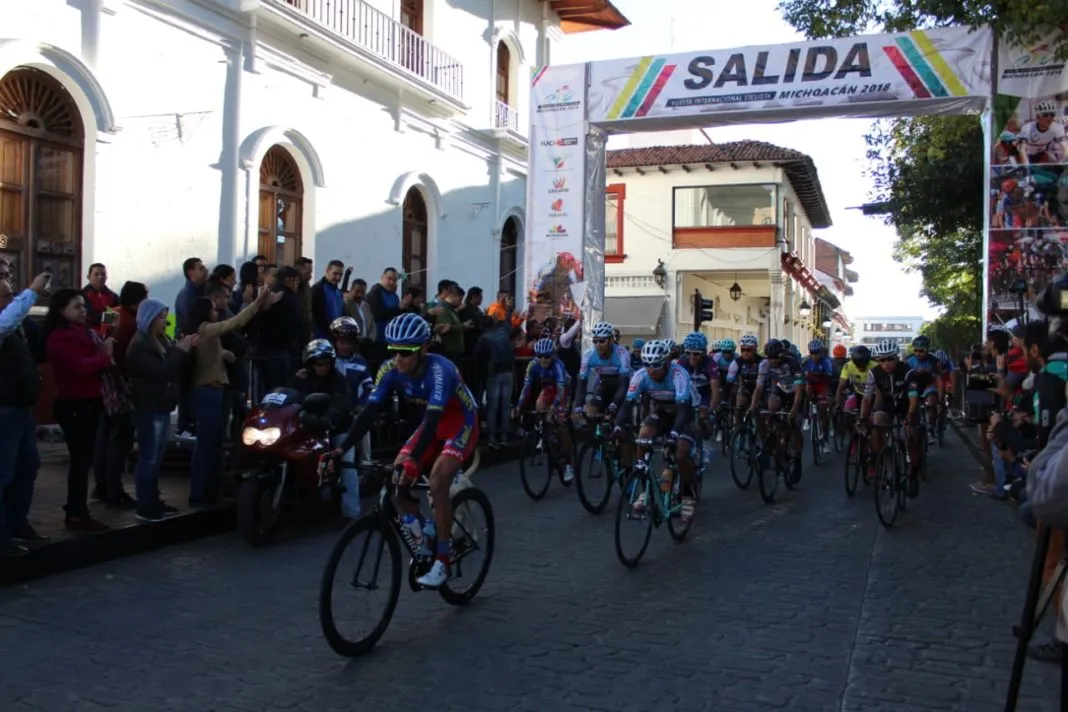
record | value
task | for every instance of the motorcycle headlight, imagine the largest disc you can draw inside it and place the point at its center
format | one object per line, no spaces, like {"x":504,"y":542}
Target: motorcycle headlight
{"x":265,"y":437}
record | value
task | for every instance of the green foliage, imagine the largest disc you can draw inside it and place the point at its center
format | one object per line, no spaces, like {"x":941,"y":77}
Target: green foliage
{"x":954,"y":333}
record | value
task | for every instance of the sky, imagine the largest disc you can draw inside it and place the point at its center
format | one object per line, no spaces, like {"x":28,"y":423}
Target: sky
{"x":836,"y":145}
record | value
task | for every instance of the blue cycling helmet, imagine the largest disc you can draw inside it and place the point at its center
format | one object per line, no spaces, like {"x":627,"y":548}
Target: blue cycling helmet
{"x":815,"y":346}
{"x":795,"y":352}
{"x":637,"y":345}
{"x":695,"y":341}
{"x":544,"y":347}
{"x":407,"y":330}
{"x":786,"y":344}
{"x":922,"y":343}
{"x":727,"y":345}
{"x":942,"y":357}
{"x":774,"y":349}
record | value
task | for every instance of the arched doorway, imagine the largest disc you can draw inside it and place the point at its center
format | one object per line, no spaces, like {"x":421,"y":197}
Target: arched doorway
{"x":41,"y":144}
{"x":414,"y":232}
{"x":281,"y":207}
{"x":509,"y":260}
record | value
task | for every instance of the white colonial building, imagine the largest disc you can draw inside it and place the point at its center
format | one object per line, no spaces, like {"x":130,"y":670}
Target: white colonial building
{"x":733,"y":221}
{"x":382,"y":132}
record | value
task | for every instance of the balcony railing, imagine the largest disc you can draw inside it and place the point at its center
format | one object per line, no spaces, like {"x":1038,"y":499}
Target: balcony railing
{"x":387,"y":39}
{"x":505,"y":117}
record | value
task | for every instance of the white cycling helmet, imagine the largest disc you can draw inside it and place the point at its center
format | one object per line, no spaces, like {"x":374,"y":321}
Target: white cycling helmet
{"x":655,"y":354}
{"x":603,"y":330}
{"x":1045,"y":107}
{"x":884,"y":348}
{"x":670,"y":345}
{"x":748,"y":341}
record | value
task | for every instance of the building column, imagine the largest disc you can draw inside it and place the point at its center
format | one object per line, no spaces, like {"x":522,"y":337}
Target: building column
{"x":777,"y":309}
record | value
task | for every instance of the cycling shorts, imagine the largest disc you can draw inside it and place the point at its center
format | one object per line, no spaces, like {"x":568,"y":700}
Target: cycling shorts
{"x":661,"y":420}
{"x":851,"y":403}
{"x":604,"y":393}
{"x":819,"y":388}
{"x":547,"y":395}
{"x":454,"y":437}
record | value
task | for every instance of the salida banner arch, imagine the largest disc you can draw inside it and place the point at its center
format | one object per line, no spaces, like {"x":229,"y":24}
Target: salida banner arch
{"x":574,"y":107}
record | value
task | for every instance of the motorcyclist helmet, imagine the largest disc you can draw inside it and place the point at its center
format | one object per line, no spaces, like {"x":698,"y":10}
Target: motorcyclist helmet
{"x":318,"y":351}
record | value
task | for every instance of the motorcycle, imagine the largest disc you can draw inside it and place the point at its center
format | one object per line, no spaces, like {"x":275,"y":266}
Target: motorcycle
{"x":283,"y":444}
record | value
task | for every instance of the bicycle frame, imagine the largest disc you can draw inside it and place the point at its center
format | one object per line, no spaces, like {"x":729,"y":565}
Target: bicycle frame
{"x":663,"y":510}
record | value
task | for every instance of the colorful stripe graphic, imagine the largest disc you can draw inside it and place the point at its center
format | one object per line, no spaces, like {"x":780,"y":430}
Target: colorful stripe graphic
{"x":642,"y":88}
{"x":923,"y":68}
{"x":536,"y":75}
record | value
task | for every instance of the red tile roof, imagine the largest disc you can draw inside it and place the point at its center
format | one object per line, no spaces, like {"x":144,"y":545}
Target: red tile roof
{"x":799,"y":167}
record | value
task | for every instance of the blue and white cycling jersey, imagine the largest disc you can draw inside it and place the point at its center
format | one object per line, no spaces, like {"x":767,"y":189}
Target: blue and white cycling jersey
{"x":675,"y":387}
{"x":596,"y":370}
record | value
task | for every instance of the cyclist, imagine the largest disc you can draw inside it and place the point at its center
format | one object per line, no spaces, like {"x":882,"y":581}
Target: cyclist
{"x":723,"y":360}
{"x":546,"y":373}
{"x":636,"y":350}
{"x":892,"y":390}
{"x":818,"y":373}
{"x":670,"y":414}
{"x":715,"y":348}
{"x":852,"y":379}
{"x":674,"y":349}
{"x":705,"y":377}
{"x":945,"y":363}
{"x":781,"y":379}
{"x":838,"y":361}
{"x":928,"y":374}
{"x":441,"y":443}
{"x":345,"y":334}
{"x":742,"y":374}
{"x":603,"y":374}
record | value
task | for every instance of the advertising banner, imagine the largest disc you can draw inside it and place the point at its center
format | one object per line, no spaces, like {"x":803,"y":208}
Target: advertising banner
{"x":1028,"y":191}
{"x":553,"y":249}
{"x":945,"y":70}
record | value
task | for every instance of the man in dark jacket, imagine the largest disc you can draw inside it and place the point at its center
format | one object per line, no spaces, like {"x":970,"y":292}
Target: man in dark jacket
{"x":495,"y":349}
{"x":19,"y":388}
{"x":279,"y":342}
{"x":327,"y":301}
{"x":196,"y":276}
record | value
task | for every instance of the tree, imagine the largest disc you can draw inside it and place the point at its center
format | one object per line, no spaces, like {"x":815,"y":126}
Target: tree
{"x":928,"y":172}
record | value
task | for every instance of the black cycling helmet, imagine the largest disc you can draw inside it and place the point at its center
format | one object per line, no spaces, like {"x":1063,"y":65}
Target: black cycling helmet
{"x":774,"y":349}
{"x":318,"y":350}
{"x":861,"y":355}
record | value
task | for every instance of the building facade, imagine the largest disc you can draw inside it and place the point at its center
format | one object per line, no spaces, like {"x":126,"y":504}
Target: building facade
{"x":731,"y":221}
{"x":381,"y":132}
{"x":869,"y":330}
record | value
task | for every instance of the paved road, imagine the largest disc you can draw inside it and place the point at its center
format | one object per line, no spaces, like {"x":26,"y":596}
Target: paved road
{"x":805,"y":605}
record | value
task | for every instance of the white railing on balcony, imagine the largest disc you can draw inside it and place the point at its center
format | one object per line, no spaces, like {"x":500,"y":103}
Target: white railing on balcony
{"x":387,"y":39}
{"x":630,"y":281}
{"x":505,"y":117}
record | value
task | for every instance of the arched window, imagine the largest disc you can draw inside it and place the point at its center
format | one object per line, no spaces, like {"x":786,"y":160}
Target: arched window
{"x":509,"y":259}
{"x":414,"y":230}
{"x":504,"y":66}
{"x":41,"y":143}
{"x":281,"y":207}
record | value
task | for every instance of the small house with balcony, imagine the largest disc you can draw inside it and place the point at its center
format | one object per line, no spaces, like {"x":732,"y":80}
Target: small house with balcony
{"x":138,"y":133}
{"x":731,"y":221}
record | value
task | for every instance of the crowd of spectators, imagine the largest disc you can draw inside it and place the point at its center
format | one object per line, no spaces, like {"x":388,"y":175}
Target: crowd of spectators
{"x":131,"y":374}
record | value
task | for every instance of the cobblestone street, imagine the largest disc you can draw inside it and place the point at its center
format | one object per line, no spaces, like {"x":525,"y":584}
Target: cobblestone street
{"x":804,"y":605}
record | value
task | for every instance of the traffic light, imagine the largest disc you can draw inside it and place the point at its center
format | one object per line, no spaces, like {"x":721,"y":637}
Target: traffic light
{"x":703,"y":310}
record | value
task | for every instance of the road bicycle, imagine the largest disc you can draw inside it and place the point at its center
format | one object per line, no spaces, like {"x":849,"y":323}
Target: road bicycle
{"x":743,"y":450}
{"x":384,"y":522}
{"x":892,"y":471}
{"x":541,"y":455}
{"x":776,"y":463}
{"x":658,"y":507}
{"x":598,"y":468}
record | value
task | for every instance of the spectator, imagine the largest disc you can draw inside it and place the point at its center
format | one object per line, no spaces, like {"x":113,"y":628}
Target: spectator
{"x":385,"y":303}
{"x":261,"y":263}
{"x":416,"y":301}
{"x":570,"y":348}
{"x":270,"y":276}
{"x":245,"y":294}
{"x":433,"y":307}
{"x":327,"y":301}
{"x":225,"y":275}
{"x":359,"y":309}
{"x":304,"y":269}
{"x":447,"y":323}
{"x":233,"y":341}
{"x":98,"y":298}
{"x":196,"y":276}
{"x":78,"y":359}
{"x":209,"y":380}
{"x":19,"y":387}
{"x":279,"y":343}
{"x":504,"y":308}
{"x":154,"y":365}
{"x":471,"y":311}
{"x":495,"y":349}
{"x":116,"y":433}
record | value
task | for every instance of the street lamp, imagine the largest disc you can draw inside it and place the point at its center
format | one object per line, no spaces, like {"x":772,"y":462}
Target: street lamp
{"x":660,"y":274}
{"x":735,"y":291}
{"x":805,"y":309}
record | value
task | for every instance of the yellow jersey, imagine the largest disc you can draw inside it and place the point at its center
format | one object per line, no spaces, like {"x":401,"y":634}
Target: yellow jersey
{"x":855,"y":376}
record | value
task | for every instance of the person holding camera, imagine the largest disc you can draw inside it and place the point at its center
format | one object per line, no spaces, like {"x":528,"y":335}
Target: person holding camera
{"x":981,"y":401}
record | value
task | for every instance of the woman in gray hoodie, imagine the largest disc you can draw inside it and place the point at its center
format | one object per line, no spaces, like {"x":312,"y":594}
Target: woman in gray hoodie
{"x":154,"y":366}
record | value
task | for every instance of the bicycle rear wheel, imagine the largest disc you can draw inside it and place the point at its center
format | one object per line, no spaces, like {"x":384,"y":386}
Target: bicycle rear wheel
{"x":854,"y":464}
{"x":741,"y":472}
{"x":366,"y":577}
{"x":886,"y":486}
{"x":593,"y":477}
{"x":815,"y":435}
{"x":535,"y":467}
{"x":676,"y":527}
{"x":768,"y":476}
{"x":469,"y":538}
{"x":634,"y":521}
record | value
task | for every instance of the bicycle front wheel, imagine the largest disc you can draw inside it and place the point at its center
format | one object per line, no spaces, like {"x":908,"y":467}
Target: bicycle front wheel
{"x":535,"y":467}
{"x":634,"y":519}
{"x":816,"y":435}
{"x":768,"y":476}
{"x":374,"y":543}
{"x":593,"y":477}
{"x":854,"y":463}
{"x":473,"y":533}
{"x":886,"y":486}
{"x":741,"y":472}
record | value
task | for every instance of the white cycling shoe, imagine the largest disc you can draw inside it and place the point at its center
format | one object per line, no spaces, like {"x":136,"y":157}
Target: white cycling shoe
{"x":437,"y":577}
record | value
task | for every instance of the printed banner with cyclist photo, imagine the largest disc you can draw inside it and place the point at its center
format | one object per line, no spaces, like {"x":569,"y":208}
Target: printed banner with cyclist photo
{"x":1028,"y":242}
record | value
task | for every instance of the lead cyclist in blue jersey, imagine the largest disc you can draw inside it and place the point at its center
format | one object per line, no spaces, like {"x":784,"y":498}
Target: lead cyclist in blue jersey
{"x":446,"y":437}
{"x":927,"y":372}
{"x":603,"y":374}
{"x":671,"y":400}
